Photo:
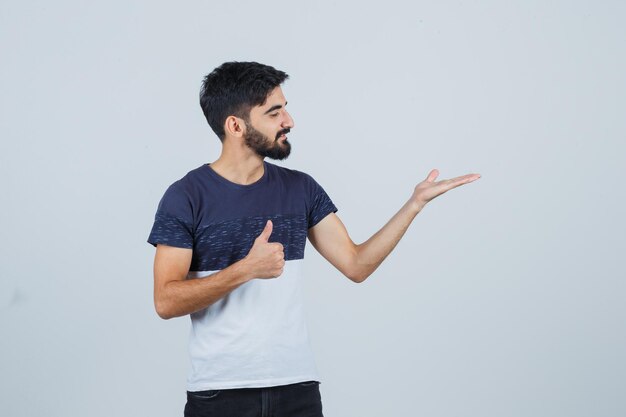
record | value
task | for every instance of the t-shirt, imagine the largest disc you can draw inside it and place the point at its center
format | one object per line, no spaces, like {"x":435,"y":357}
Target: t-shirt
{"x":256,"y":335}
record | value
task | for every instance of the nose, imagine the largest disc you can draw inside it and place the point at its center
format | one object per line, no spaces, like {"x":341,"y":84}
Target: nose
{"x":288,"y":121}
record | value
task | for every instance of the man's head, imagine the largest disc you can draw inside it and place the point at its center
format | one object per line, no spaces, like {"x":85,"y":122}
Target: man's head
{"x":247,"y":96}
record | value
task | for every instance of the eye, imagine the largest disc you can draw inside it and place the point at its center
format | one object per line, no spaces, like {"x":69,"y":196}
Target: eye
{"x":274,"y":114}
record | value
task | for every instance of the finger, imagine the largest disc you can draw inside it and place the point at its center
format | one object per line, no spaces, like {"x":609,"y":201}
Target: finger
{"x":432,"y":176}
{"x":456,"y":182}
{"x":267,"y":231}
{"x":464,"y":179}
{"x":472,"y":178}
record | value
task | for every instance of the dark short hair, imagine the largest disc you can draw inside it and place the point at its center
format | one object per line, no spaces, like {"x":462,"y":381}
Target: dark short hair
{"x":234,"y":88}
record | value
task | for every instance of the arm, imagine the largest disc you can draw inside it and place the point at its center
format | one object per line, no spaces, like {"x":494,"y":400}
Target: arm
{"x":175,"y":296}
{"x":357,"y":262}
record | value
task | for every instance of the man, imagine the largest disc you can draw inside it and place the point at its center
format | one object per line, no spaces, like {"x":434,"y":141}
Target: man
{"x":230,"y":239}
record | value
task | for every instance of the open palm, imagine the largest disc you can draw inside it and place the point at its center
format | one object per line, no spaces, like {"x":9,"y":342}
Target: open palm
{"x":428,"y":189}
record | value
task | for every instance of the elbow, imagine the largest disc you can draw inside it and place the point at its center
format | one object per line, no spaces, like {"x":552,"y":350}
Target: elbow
{"x":162,"y":310}
{"x":163,"y":304}
{"x":355,"y":271}
{"x":356,"y":276}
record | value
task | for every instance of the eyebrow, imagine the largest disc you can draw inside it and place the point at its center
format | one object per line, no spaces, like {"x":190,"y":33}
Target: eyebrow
{"x":274,"y":107}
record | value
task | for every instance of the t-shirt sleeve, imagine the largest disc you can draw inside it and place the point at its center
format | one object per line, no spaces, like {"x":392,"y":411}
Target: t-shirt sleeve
{"x":320,"y":205}
{"x":173,"y":221}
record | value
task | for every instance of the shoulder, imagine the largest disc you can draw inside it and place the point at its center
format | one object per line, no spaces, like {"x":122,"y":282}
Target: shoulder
{"x":189,"y":183}
{"x":182,"y":193}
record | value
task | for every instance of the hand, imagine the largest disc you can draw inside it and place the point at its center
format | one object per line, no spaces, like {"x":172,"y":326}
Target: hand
{"x":429,"y":189}
{"x":265,"y":259}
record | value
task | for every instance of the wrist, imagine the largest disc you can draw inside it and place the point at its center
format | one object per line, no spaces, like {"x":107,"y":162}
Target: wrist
{"x":243,"y":270}
{"x":415,"y":205}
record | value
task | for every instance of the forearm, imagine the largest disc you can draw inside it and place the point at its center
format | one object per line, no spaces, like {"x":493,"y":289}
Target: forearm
{"x":182,"y":297}
{"x":371,"y":253}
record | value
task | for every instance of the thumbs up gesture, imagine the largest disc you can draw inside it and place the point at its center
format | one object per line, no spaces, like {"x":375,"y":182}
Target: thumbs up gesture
{"x":266,"y":259}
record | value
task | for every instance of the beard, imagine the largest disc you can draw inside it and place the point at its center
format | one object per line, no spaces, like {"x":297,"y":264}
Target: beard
{"x":264,"y":146}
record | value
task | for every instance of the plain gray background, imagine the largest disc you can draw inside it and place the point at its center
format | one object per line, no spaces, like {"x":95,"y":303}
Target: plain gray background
{"x":505,"y":297}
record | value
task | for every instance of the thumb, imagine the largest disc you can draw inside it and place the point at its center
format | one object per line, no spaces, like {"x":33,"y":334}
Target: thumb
{"x":265,"y":234}
{"x":433,"y":175}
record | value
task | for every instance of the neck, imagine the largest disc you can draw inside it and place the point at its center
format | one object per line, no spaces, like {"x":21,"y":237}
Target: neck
{"x":238,"y":168}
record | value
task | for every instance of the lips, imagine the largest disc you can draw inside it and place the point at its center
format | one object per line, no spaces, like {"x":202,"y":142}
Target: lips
{"x":283,"y":134}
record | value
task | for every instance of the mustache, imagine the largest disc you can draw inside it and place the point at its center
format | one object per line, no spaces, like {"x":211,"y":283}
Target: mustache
{"x":283,"y":132}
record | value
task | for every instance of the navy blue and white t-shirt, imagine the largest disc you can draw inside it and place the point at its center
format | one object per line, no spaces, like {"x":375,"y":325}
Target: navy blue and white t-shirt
{"x":256,"y":335}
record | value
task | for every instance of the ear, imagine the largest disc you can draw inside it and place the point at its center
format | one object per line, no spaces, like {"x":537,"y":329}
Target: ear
{"x":234,"y":126}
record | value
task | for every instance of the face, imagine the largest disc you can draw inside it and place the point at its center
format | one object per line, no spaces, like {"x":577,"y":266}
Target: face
{"x":268,"y":126}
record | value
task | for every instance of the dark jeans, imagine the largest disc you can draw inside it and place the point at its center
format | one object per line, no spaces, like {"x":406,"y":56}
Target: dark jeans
{"x":295,"y":400}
